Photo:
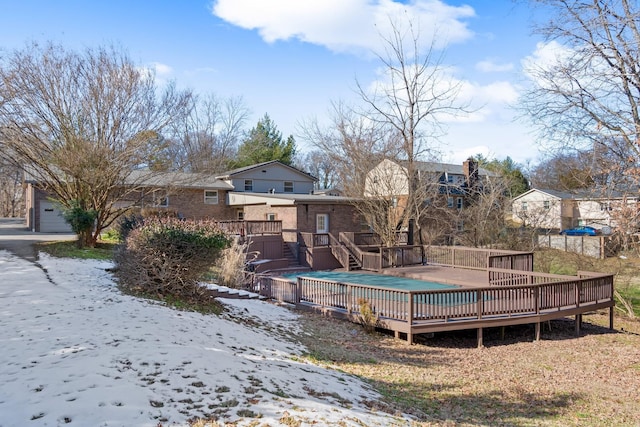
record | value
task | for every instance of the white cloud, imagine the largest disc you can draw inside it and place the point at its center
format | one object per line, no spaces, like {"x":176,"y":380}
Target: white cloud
{"x":344,"y":25}
{"x":162,"y":70}
{"x":490,"y":66}
{"x":545,"y":56}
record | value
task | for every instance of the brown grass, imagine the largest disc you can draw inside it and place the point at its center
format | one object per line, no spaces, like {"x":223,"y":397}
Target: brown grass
{"x":561,"y":380}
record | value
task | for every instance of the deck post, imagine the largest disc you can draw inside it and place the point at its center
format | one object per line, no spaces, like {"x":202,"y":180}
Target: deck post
{"x":480,"y":344}
{"x":611,"y":317}
{"x":578,"y":323}
{"x":410,"y":337}
{"x":537,"y":331}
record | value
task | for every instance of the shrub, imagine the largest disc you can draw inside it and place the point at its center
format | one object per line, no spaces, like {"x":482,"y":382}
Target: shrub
{"x":81,"y":220}
{"x":167,"y":257}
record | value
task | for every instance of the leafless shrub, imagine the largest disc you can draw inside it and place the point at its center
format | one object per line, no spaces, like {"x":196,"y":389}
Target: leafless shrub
{"x":232,"y":264}
{"x":367,"y":317}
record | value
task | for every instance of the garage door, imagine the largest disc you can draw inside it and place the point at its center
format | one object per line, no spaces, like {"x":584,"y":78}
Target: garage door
{"x":51,"y":220}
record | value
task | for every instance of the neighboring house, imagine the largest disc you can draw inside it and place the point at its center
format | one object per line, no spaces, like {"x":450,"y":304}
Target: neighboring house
{"x":557,"y":210}
{"x":444,"y":189}
{"x":390,"y":179}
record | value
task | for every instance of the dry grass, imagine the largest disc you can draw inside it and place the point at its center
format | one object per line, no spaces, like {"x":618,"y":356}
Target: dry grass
{"x":562,"y":380}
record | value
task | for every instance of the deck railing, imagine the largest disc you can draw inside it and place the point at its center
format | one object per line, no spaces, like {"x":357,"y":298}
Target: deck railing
{"x":339,"y":251}
{"x":245,"y":228}
{"x":373,"y":239}
{"x":400,"y":256}
{"x":314,"y":240}
{"x":444,"y":305}
{"x":478,"y":258}
{"x":379,"y":257}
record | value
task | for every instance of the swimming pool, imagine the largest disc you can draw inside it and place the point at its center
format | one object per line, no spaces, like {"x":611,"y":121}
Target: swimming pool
{"x":383,"y":280}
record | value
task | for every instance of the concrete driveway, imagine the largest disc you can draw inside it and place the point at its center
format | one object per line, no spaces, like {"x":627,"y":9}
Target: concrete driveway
{"x":16,"y":238}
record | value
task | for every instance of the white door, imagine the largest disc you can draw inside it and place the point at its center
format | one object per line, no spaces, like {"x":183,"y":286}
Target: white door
{"x":51,"y":220}
{"x":322,"y":223}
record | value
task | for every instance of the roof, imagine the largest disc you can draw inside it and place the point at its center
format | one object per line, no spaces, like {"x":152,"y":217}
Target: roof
{"x":243,"y":198}
{"x":448,"y":168}
{"x":145,"y":177}
{"x":176,"y":179}
{"x":592,"y":194}
{"x":229,"y":174}
{"x":552,"y":193}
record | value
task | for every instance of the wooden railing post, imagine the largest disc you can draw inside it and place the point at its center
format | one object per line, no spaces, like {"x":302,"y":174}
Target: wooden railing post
{"x":578,"y":291}
{"x":410,"y":308}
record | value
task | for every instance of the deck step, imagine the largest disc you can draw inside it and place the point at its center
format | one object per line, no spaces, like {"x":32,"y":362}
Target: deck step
{"x":226,"y":292}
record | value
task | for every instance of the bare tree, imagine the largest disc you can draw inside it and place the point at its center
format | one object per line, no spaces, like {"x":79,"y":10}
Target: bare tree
{"x":11,"y":192}
{"x":352,"y":144}
{"x":319,"y":163}
{"x":206,"y":139}
{"x":588,"y":97}
{"x":80,"y":122}
{"x":411,"y":103}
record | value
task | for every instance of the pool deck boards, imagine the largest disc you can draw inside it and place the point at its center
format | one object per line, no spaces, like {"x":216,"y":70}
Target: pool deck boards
{"x":445,"y":275}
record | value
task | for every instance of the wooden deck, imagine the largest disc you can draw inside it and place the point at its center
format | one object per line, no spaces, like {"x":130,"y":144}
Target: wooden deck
{"x":485,"y":298}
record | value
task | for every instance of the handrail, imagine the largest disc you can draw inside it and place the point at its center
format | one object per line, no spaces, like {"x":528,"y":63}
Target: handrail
{"x":339,"y":251}
{"x":247,"y":227}
{"x":357,"y":253}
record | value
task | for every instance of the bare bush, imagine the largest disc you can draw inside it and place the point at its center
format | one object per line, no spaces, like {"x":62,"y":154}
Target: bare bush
{"x":168,"y":257}
{"x":231,"y":265}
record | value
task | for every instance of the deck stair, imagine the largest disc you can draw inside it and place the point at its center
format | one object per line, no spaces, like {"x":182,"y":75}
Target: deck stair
{"x":344,"y":254}
{"x":288,"y":254}
{"x":226,"y":292}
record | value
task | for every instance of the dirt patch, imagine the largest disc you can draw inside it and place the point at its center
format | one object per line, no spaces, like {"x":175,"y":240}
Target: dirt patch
{"x":561,"y":380}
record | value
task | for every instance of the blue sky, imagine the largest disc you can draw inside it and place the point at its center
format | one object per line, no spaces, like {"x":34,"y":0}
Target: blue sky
{"x":291,"y":58}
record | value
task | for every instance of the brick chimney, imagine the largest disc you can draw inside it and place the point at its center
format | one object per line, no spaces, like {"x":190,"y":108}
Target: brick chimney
{"x":470,"y":170}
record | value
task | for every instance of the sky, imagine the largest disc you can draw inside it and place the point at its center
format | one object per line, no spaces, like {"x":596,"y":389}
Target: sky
{"x":291,"y":59}
{"x":77,"y":351}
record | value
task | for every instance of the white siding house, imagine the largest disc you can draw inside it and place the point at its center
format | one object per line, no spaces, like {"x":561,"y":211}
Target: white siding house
{"x":269,"y":177}
{"x":560,"y":210}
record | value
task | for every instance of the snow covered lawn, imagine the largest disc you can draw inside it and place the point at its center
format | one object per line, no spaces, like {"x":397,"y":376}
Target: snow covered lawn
{"x":75,"y":351}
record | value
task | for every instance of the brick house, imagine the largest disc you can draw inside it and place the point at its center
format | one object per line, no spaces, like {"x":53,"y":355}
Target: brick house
{"x":195,"y":196}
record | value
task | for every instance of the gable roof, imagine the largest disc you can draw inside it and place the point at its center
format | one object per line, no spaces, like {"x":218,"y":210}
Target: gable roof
{"x":238,"y":171}
{"x":176,"y":179}
{"x":448,"y":168}
{"x":581,"y":195}
{"x":553,"y":193}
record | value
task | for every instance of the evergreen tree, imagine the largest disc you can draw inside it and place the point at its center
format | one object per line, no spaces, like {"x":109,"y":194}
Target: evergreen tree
{"x":264,"y":144}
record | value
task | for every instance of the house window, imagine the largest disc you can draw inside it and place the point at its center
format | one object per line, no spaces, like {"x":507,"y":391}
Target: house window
{"x":271,"y":217}
{"x":460,"y":226}
{"x":606,"y":206}
{"x":210,"y":197}
{"x":459,"y":203}
{"x":248,"y":185}
{"x":240,"y":215}
{"x":546,"y":204}
{"x":288,"y":186}
{"x":525,"y":206}
{"x":160,"y":199}
{"x":449,"y":202}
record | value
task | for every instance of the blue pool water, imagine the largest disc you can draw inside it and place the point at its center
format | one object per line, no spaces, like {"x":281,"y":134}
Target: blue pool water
{"x":382,"y":280}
